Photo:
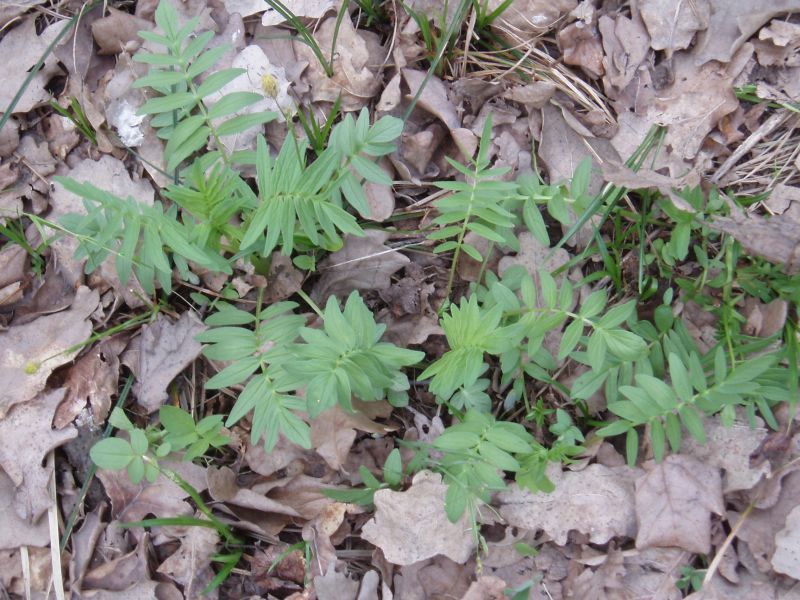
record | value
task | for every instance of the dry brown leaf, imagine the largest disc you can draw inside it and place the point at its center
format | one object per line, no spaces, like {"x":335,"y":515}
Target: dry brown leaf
{"x":363,"y":263}
{"x":27,"y":438}
{"x":580,"y":46}
{"x":358,"y":55}
{"x":190,"y":564}
{"x":122,"y":573}
{"x":411,"y":526}
{"x":765,"y":320}
{"x":334,"y":585}
{"x":333,"y":433}
{"x":433,"y":99}
{"x":312,"y":9}
{"x":223,"y":488}
{"x":602,"y":583}
{"x":775,"y":239}
{"x":14,"y":530}
{"x":760,"y":529}
{"x":673,"y":23}
{"x":674,"y":502}
{"x":162,"y":498}
{"x":118,"y":32}
{"x":530,"y":17}
{"x":487,"y":587}
{"x":83,"y":543}
{"x":438,"y":577}
{"x":597,"y":501}
{"x":92,"y":379}
{"x":40,"y":346}
{"x":163,"y":350}
{"x":779,"y":44}
{"x":786,"y":558}
{"x":27,"y":47}
{"x":695,"y":102}
{"x":729,"y":448}
{"x":14,"y":582}
{"x":732,"y":23}
{"x":626,"y":45}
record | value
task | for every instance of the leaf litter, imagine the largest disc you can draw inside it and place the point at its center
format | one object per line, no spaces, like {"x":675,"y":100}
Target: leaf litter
{"x":607,"y":530}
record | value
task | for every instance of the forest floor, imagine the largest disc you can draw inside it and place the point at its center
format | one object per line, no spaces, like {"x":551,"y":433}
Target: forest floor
{"x":573,"y":226}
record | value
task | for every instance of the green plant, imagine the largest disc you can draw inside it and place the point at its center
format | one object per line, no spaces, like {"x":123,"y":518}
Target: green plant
{"x":14,"y":231}
{"x":344,"y":359}
{"x":140,"y":455}
{"x":75,"y":114}
{"x":392,"y":479}
{"x":475,"y":205}
{"x":141,"y":452}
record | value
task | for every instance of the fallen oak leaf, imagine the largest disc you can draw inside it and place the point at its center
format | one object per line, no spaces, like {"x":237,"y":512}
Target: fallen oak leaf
{"x":30,"y":352}
{"x":674,"y":502}
{"x":411,"y":526}
{"x":27,"y":438}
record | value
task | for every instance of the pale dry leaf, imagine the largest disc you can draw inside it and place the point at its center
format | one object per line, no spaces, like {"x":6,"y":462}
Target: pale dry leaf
{"x":302,"y":492}
{"x":411,"y":526}
{"x":380,"y":198}
{"x":732,"y":23}
{"x":764,"y":320}
{"x":92,"y":379}
{"x":27,"y":47}
{"x":729,"y":448}
{"x":334,"y":585}
{"x":581,"y":46}
{"x":27,"y":438}
{"x":779,"y":44}
{"x":653,"y":573}
{"x":321,"y":529}
{"x":487,"y":587}
{"x":162,"y":498}
{"x":14,"y":582}
{"x":83,"y":543}
{"x":164,"y":349}
{"x":222,"y":487}
{"x":598,"y":501}
{"x":9,"y":138}
{"x":760,"y":529}
{"x":786,"y":558}
{"x":356,"y":62}
{"x":14,"y":530}
{"x":369,"y":586}
{"x":535,"y":94}
{"x":695,"y":102}
{"x":672,"y":24}
{"x":433,"y":98}
{"x":363,"y":263}
{"x":438,"y":577}
{"x":334,"y":431}
{"x":119,"y":32}
{"x":674,"y":503}
{"x":602,"y":583}
{"x":529,"y":17}
{"x":626,"y":45}
{"x":245,"y":8}
{"x":190,"y":564}
{"x":312,"y":9}
{"x":285,"y":455}
{"x":121,"y":573}
{"x":30,"y":352}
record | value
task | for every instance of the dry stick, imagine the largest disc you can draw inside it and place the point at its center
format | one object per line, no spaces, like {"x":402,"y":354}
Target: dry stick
{"x":764,"y":130}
